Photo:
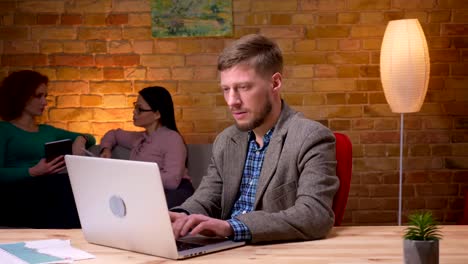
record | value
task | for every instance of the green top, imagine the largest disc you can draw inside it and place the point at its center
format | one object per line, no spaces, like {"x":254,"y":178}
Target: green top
{"x":21,"y":150}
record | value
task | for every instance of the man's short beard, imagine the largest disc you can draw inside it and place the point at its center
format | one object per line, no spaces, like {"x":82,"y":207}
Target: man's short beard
{"x":258,"y":120}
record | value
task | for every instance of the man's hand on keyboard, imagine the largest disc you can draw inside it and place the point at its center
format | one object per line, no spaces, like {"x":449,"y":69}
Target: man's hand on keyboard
{"x":194,"y":224}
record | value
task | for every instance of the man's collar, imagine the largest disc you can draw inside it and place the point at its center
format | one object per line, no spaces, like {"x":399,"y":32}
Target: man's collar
{"x":266,"y":137}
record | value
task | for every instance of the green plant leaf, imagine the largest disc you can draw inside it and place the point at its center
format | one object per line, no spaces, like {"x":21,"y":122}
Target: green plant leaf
{"x":422,"y":226}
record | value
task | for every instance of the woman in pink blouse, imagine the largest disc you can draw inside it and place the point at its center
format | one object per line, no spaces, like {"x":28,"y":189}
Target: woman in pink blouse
{"x":160,"y":142}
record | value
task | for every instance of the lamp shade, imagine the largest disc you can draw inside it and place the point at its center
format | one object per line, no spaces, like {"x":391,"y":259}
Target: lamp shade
{"x":404,"y":65}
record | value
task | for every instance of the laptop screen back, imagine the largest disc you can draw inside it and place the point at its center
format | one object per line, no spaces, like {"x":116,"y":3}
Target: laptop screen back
{"x":121,"y":204}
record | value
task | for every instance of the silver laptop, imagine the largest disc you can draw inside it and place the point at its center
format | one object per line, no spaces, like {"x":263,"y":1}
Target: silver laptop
{"x":121,"y":204}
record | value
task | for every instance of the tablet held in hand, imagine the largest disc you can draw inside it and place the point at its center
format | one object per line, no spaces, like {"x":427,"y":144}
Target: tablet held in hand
{"x":54,"y":149}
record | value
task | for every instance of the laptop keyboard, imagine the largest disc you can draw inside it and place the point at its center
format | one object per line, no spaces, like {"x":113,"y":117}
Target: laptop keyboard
{"x":185,"y":245}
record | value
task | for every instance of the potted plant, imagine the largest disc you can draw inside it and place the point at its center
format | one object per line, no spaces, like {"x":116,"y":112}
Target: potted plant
{"x":421,"y":244}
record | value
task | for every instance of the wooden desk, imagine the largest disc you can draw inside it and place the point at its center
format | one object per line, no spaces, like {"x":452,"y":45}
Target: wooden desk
{"x":357,"y":244}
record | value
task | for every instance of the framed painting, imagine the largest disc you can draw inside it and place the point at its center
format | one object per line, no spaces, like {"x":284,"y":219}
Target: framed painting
{"x":191,"y":18}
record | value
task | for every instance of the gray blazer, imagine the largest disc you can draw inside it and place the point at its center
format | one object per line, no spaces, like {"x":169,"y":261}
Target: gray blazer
{"x":296,"y":186}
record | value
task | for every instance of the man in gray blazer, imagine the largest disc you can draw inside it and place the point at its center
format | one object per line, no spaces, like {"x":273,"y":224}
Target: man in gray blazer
{"x":272,"y":175}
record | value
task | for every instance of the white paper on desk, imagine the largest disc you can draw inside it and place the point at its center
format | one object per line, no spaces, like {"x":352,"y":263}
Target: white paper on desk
{"x":59,"y":248}
{"x":30,"y":252}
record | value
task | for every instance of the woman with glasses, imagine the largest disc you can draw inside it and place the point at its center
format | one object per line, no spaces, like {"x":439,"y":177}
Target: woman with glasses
{"x":35,"y":192}
{"x":160,"y":142}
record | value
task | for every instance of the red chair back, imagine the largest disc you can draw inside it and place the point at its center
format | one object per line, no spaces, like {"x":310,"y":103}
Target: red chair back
{"x":464,"y":219}
{"x":344,"y":158}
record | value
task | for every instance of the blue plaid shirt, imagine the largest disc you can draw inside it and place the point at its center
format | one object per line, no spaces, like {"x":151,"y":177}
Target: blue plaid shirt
{"x":248,"y":188}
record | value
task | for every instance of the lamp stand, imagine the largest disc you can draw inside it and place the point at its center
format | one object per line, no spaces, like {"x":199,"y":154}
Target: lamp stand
{"x":401,"y":170}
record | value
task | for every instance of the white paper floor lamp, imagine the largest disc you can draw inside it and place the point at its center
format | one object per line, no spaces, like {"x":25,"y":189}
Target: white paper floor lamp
{"x":404,"y":71}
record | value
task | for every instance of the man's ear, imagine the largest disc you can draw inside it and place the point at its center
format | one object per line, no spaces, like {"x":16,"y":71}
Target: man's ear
{"x":277,"y":80}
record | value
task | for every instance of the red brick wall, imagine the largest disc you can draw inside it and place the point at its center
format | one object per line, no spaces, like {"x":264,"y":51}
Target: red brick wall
{"x":98,"y":54}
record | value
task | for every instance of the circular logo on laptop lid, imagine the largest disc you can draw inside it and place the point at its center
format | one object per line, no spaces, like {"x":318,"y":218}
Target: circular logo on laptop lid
{"x":117,"y":206}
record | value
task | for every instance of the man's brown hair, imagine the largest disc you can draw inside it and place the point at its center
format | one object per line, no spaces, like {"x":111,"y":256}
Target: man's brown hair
{"x":255,"y":50}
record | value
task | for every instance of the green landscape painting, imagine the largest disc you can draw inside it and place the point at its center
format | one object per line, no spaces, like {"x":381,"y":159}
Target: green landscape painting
{"x":191,"y":18}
